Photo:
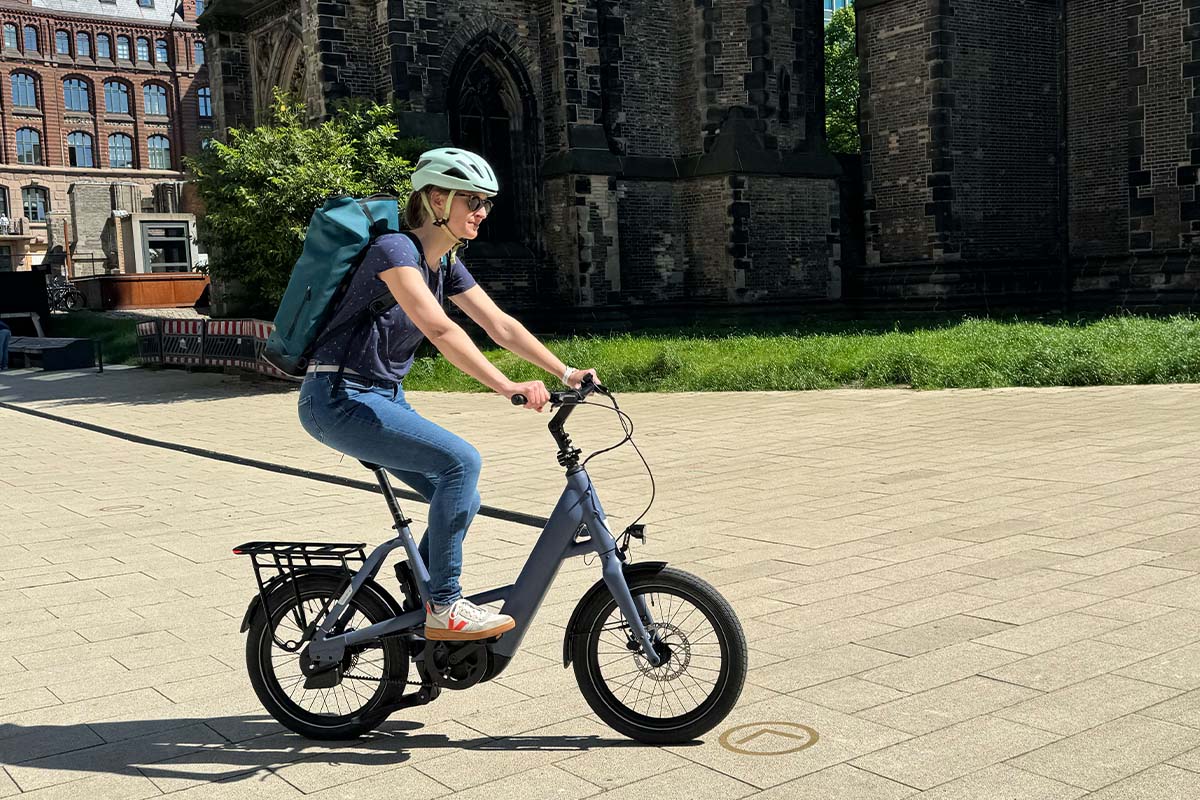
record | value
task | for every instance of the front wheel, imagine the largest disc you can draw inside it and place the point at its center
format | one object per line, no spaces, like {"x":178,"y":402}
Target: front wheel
{"x":703,"y":668}
{"x":73,"y":300}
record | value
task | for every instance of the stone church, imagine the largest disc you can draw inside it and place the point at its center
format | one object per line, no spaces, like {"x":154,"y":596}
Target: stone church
{"x":671,"y":152}
{"x":649,"y":151}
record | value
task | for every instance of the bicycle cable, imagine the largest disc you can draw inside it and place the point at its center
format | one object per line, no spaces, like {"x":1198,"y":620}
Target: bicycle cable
{"x":627,"y":427}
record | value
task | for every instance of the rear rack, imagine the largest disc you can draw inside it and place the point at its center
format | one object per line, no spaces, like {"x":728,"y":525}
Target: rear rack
{"x":279,"y":559}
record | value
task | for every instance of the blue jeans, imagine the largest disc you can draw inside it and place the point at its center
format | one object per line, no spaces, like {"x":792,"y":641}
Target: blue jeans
{"x":5,"y":335}
{"x":374,"y":423}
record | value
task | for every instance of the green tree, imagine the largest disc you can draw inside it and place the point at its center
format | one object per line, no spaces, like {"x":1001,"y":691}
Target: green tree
{"x":261,"y":187}
{"x":841,"y":83}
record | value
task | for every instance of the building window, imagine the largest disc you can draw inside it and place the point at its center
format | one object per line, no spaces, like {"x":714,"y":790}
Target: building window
{"x":143,"y":49}
{"x":36,"y":201}
{"x":160,"y":51}
{"x":6,"y":260}
{"x":83,"y":45}
{"x":10,"y":37}
{"x":146,"y":3}
{"x":62,"y":43}
{"x":31,"y":39}
{"x":75,"y":95}
{"x":4,"y":200}
{"x":198,"y":53}
{"x":103,"y":46}
{"x":204,"y":100}
{"x":160,"y":152}
{"x":23,"y":93}
{"x":79,"y":149}
{"x":29,"y":146}
{"x":120,"y":151}
{"x":156,"y":99}
{"x":123,"y":47}
{"x":116,"y":97}
{"x":199,"y":7}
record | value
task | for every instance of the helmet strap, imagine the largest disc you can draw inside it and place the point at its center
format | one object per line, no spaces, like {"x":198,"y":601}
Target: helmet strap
{"x":443,"y":223}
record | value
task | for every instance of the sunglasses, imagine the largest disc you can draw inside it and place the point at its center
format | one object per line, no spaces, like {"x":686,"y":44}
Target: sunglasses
{"x":474,"y":203}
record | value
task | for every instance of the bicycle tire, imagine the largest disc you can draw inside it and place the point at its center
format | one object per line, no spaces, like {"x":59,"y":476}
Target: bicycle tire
{"x":74,"y":300}
{"x":730,"y":676}
{"x":262,"y":654}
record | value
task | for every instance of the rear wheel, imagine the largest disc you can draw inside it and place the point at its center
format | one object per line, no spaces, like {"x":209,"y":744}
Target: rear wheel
{"x":703,"y":668}
{"x":374,"y":673}
{"x":73,"y":300}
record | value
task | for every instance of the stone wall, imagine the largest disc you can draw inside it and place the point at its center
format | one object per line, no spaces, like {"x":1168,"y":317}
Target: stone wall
{"x":655,"y":142}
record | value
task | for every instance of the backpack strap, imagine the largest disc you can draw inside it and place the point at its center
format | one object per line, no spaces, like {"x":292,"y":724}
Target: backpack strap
{"x":380,"y":304}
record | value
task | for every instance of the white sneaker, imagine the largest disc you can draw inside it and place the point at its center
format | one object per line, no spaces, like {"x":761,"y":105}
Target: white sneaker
{"x":462,"y":620}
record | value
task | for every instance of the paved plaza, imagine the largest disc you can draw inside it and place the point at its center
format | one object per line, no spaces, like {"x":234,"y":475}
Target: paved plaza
{"x":955,"y":595}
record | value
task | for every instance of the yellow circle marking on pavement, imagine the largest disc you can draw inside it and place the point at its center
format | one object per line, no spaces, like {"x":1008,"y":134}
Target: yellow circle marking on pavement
{"x":768,"y":738}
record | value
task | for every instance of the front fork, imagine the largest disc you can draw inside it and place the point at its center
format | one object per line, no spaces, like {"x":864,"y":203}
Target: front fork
{"x":635,"y":611}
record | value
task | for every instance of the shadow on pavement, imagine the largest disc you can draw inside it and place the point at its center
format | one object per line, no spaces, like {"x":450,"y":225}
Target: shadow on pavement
{"x":130,"y":386}
{"x":196,"y":750}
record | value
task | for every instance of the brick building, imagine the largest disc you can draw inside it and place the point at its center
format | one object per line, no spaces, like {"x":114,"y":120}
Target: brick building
{"x":649,"y":151}
{"x":101,"y":99}
{"x":1030,"y":149}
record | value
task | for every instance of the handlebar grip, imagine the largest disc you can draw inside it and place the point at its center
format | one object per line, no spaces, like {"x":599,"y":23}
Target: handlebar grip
{"x":519,"y":400}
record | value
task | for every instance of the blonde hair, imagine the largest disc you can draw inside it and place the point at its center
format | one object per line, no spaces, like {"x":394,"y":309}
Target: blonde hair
{"x":414,"y":212}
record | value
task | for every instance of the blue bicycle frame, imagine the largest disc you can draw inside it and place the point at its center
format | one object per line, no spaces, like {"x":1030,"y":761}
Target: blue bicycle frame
{"x":577,"y":526}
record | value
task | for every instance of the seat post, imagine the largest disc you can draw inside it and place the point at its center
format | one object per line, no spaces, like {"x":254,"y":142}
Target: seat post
{"x":385,"y":488}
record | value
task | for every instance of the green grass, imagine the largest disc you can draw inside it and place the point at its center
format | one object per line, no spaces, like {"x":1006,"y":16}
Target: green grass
{"x":964,"y":353}
{"x":118,"y":336}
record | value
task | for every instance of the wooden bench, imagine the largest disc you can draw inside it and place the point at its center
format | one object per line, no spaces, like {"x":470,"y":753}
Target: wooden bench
{"x":52,"y":353}
{"x":35,"y":317}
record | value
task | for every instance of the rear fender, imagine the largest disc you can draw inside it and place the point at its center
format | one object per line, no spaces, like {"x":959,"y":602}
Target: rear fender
{"x":631,"y":571}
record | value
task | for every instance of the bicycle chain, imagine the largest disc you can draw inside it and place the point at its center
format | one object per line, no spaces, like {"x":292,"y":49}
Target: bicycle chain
{"x":350,"y":676}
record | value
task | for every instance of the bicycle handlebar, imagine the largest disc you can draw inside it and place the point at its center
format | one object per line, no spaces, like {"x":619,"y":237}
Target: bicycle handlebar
{"x":568,"y":398}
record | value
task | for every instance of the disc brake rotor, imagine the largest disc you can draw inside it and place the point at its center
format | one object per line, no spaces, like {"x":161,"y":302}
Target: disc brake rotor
{"x":680,"y":653}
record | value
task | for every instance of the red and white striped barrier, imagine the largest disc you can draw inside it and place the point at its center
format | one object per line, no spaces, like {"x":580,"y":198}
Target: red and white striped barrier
{"x":207,"y":343}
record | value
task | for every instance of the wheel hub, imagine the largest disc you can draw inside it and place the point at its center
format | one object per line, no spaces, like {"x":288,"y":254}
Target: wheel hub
{"x":673,"y":649}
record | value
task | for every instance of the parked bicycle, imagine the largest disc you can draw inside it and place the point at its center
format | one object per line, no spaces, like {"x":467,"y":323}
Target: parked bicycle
{"x":63,"y":295}
{"x":658,"y":653}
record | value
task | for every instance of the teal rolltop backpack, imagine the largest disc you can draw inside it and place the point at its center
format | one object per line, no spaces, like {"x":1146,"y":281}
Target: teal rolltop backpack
{"x":337,"y":239}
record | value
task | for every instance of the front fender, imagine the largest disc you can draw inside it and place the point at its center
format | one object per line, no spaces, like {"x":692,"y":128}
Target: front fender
{"x":630,"y":571}
{"x":279,"y":583}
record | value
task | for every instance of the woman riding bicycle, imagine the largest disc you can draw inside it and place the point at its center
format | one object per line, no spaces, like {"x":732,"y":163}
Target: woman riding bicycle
{"x":365,"y":415}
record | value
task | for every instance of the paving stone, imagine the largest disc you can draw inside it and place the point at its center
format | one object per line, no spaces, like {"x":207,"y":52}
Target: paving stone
{"x":947,"y":705}
{"x":822,"y":637}
{"x":1159,"y":634}
{"x":1095,"y":758}
{"x":1127,"y":610}
{"x":1066,"y":665}
{"x":934,"y":635}
{"x":1049,"y":633}
{"x":809,"y":670}
{"x":1155,"y":783}
{"x":849,"y":694}
{"x":842,"y":782}
{"x":842,"y":737}
{"x":949,"y":753}
{"x":1088,"y":704}
{"x":615,"y":763}
{"x":1003,"y":782}
{"x":686,"y":783}
{"x":1037,"y":606}
{"x":1179,"y":668}
{"x":939,"y":667}
{"x":1184,"y":709}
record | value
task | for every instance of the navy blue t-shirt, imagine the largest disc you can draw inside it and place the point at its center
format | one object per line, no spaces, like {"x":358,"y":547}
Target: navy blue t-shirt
{"x":385,"y":349}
